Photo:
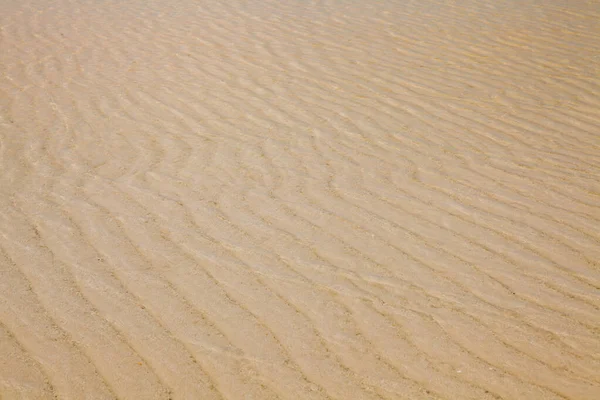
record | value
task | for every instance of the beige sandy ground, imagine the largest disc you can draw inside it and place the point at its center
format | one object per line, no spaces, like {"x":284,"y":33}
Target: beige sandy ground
{"x":262,"y":199}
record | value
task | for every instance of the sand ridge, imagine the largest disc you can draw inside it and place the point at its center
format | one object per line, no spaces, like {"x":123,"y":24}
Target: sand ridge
{"x":299,"y":200}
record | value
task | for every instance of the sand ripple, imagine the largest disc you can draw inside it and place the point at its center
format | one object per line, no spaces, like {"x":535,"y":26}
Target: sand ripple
{"x":299,"y":200}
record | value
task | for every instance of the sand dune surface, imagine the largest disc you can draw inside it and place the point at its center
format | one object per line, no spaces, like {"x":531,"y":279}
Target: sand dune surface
{"x":295,"y":199}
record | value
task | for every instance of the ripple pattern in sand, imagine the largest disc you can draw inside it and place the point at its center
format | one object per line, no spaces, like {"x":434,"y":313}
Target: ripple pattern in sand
{"x":299,"y":200}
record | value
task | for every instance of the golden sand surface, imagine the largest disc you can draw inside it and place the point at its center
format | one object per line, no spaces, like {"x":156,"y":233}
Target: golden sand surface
{"x":292,"y":199}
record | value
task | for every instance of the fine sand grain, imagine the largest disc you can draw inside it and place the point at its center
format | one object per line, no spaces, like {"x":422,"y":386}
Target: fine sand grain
{"x":293,"y":199}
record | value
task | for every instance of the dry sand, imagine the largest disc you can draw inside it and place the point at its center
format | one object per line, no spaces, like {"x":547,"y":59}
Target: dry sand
{"x":292,"y":199}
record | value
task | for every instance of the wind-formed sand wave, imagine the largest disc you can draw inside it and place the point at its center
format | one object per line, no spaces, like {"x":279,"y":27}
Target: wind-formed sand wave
{"x":299,"y":200}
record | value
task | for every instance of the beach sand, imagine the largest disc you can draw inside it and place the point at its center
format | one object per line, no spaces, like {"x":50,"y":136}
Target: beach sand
{"x":207,"y":199}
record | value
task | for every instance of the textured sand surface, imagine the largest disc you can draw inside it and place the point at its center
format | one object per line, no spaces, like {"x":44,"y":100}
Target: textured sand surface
{"x":339,"y":199}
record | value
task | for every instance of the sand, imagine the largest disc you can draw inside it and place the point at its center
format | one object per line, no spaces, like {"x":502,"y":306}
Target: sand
{"x":208,"y":199}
